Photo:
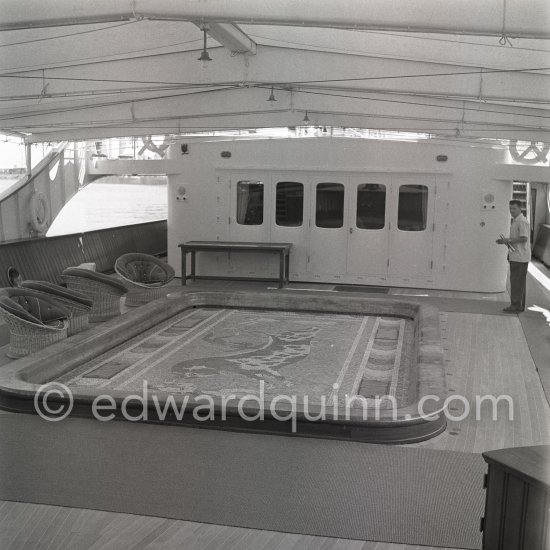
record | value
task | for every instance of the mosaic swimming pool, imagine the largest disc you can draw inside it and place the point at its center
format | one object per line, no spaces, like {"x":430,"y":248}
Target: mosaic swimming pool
{"x":345,"y":356}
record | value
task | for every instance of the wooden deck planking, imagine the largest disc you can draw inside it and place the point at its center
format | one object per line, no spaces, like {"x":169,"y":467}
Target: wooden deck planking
{"x":488,"y":354}
{"x":468,"y":430}
{"x":533,"y":423}
{"x":526,"y":426}
{"x":25,"y":526}
{"x":181,"y":533}
{"x":457,"y":294}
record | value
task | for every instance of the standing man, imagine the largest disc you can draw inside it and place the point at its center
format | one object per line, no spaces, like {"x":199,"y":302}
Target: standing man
{"x":519,"y":255}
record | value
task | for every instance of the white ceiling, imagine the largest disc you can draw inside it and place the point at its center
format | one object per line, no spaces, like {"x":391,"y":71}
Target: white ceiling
{"x":80,"y":69}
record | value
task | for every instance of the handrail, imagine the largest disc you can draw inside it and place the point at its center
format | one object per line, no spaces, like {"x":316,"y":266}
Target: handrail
{"x":17,"y":242}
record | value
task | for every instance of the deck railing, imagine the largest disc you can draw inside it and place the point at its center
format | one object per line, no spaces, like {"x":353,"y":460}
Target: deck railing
{"x":44,"y":258}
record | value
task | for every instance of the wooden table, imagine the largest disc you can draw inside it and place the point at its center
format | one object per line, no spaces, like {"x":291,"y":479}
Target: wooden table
{"x":282,"y":249}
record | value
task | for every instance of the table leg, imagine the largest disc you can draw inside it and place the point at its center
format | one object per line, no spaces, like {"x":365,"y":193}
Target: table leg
{"x":183,"y":267}
{"x":193,"y":263}
{"x":287,"y":267}
{"x":281,"y":270}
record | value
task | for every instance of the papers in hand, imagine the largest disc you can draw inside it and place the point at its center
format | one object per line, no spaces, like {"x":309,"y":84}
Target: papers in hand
{"x":510,"y":247}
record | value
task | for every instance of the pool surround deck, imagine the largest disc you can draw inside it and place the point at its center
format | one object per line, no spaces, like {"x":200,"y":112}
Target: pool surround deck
{"x":21,"y":379}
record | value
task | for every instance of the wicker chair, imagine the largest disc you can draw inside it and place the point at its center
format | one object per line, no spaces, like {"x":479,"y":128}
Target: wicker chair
{"x":14,"y":277}
{"x":34,"y":320}
{"x":78,"y":304}
{"x":104,"y":291}
{"x":145,"y":276}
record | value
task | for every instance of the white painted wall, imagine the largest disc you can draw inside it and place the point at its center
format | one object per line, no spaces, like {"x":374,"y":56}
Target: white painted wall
{"x":465,"y":256}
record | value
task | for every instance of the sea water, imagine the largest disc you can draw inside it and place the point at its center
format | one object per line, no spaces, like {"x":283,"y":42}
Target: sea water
{"x":5,"y":183}
{"x":102,"y":205}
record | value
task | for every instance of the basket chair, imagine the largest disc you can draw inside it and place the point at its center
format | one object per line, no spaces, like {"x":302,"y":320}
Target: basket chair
{"x":145,"y":276}
{"x":104,"y":291}
{"x":35,"y":320}
{"x":77,"y":303}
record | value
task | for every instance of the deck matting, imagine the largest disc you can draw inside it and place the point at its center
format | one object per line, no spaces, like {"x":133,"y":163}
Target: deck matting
{"x":359,"y":288}
{"x":296,"y":485}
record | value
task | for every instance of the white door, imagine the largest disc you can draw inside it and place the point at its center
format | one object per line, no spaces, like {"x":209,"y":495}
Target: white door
{"x":329,"y":227}
{"x":412,"y":227}
{"x":368,"y":240}
{"x":290,"y":217}
{"x":249,"y":211}
{"x":249,"y":206}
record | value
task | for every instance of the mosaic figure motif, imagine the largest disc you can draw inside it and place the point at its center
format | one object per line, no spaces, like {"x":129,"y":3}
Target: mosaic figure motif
{"x":223,"y":352}
{"x":281,"y":350}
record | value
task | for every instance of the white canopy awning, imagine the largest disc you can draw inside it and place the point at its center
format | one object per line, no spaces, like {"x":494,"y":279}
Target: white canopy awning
{"x":79,"y":69}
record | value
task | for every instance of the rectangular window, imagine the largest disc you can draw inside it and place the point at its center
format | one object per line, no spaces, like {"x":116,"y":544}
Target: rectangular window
{"x":371,"y":206}
{"x":329,"y":211}
{"x":250,"y":203}
{"x":289,"y":208}
{"x":412,"y":212}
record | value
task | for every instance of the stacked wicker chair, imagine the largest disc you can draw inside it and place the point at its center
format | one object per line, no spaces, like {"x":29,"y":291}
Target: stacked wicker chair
{"x":104,"y":291}
{"x":78,"y":304}
{"x":145,"y":276}
{"x":35,"y":320}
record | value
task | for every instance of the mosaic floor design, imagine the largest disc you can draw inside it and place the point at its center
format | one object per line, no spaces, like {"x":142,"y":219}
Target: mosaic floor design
{"x":228,"y":352}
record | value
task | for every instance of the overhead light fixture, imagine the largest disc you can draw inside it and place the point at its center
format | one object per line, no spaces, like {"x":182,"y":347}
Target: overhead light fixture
{"x":271,"y":97}
{"x":306,"y":119}
{"x":205,"y":56}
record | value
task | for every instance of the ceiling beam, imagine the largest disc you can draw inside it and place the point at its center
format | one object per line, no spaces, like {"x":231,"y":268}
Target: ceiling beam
{"x":237,"y":101}
{"x":272,"y":66}
{"x":242,"y":108}
{"x":512,"y":18}
{"x":230,"y":36}
{"x":272,"y":120}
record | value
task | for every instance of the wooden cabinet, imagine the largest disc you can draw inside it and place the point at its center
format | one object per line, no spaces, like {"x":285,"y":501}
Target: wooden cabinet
{"x":541,"y":249}
{"x":518,"y":499}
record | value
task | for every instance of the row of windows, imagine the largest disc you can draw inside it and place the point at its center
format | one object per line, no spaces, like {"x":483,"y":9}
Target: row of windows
{"x":412,"y":210}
